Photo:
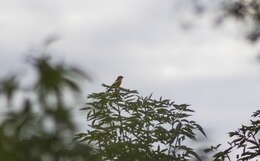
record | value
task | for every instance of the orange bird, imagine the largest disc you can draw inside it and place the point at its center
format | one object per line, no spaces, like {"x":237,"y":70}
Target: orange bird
{"x":117,"y":83}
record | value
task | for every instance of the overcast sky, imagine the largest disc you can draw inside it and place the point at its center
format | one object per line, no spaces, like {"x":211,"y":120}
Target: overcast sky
{"x":212,"y":68}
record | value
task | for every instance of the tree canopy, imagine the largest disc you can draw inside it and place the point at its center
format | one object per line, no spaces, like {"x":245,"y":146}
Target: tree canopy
{"x":126,"y":126}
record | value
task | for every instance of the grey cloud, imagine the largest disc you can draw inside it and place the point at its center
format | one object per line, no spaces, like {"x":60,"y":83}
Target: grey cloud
{"x":138,"y":44}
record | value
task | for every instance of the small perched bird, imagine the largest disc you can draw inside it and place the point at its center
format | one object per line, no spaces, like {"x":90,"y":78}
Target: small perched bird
{"x":117,"y":83}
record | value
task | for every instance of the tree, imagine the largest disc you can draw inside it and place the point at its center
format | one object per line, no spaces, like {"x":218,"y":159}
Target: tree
{"x":246,"y":141}
{"x":126,"y":126}
{"x":41,"y":128}
{"x":247,"y":11}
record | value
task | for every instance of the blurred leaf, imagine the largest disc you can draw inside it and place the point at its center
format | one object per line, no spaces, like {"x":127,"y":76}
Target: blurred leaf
{"x":9,"y":87}
{"x":40,"y":128}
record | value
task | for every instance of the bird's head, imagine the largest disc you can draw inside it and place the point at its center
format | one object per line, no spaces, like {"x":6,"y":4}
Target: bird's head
{"x":120,"y":77}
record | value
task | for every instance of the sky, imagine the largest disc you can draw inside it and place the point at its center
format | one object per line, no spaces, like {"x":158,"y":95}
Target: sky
{"x":160,"y":47}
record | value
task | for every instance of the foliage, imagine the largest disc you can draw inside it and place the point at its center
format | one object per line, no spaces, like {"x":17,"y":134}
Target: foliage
{"x":246,"y":140}
{"x":125,"y":126}
{"x":40,"y":126}
{"x":246,"y":11}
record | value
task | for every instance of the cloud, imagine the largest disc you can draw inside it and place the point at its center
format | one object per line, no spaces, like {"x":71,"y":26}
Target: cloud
{"x":209,"y":68}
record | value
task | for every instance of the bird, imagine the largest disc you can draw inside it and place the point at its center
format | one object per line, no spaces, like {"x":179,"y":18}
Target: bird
{"x":117,"y":83}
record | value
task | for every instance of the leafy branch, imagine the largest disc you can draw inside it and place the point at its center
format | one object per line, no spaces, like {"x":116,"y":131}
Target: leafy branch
{"x":123,"y":124}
